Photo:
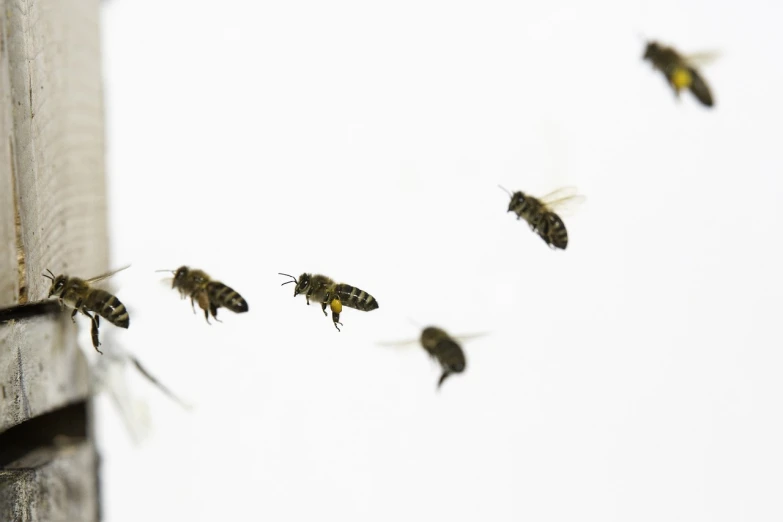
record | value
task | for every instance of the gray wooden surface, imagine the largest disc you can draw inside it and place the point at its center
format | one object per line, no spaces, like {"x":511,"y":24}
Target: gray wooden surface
{"x":52,"y":215}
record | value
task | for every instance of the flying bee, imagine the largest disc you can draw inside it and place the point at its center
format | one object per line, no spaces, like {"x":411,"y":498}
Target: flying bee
{"x":680,"y":70}
{"x":82,"y":297}
{"x":443,"y":348}
{"x":209,"y":294}
{"x":325,"y":291}
{"x":540,"y":213}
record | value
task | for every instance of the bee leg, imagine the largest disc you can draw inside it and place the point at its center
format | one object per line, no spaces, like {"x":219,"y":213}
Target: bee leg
{"x":213,"y":310}
{"x":94,"y":331}
{"x":192,"y":304}
{"x":337,"y":307}
{"x":443,"y":378}
{"x":76,"y":309}
{"x":323,"y":308}
{"x":203,"y":303}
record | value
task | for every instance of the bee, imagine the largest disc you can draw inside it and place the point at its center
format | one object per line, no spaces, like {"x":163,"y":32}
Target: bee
{"x":209,"y":294}
{"x":540,"y":215}
{"x":325,"y":291}
{"x":680,"y":71}
{"x":82,"y":297}
{"x":443,"y":348}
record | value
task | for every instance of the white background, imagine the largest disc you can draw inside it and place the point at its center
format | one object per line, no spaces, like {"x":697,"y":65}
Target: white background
{"x":634,"y":376}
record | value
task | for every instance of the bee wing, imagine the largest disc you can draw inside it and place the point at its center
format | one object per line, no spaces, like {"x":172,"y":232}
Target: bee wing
{"x":563,"y":199}
{"x":467,"y":337}
{"x":560,"y":193}
{"x":157,"y":383}
{"x":109,"y":376}
{"x":702,"y":59}
{"x":399,"y":343}
{"x":106,"y":275}
{"x":411,"y":342}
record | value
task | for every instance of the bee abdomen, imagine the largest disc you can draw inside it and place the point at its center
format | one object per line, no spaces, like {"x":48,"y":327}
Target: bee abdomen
{"x":450,"y":356}
{"x":107,"y":306}
{"x":700,"y":89}
{"x":353,"y":297}
{"x":221,"y":295}
{"x":553,"y":231}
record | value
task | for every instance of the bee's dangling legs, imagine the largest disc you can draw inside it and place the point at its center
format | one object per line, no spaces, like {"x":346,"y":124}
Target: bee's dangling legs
{"x":203,"y":303}
{"x":94,"y":330}
{"x":76,"y":310}
{"x":443,"y":378}
{"x":337,"y":307}
{"x":213,"y":310}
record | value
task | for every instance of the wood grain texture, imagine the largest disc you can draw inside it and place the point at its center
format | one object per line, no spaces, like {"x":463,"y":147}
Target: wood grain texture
{"x":61,"y":487}
{"x":53,"y":159}
{"x":52,"y":215}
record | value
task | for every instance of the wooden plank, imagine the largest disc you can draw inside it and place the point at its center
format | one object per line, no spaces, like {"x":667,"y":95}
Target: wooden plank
{"x":53,"y":160}
{"x":62,"y":489}
{"x":52,"y":215}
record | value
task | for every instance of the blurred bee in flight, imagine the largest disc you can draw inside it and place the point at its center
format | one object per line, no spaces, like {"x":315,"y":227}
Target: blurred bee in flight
{"x":443,"y":348}
{"x":209,"y":294}
{"x":82,"y":297}
{"x":680,"y":70}
{"x":327,"y":292}
{"x":540,"y":213}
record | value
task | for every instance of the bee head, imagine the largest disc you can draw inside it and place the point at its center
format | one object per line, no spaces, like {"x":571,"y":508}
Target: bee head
{"x":179,"y":276}
{"x":516,"y":199}
{"x":301,"y":284}
{"x":58,"y":284}
{"x":430,"y":335}
{"x":652,"y":50}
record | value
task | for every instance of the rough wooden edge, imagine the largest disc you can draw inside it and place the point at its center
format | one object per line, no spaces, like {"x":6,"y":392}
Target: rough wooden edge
{"x":52,"y":215}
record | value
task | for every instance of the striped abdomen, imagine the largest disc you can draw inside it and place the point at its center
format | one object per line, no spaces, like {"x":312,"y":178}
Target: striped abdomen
{"x":221,"y":295}
{"x":353,"y":297}
{"x":699,"y":88}
{"x":107,"y":306}
{"x":443,"y":348}
{"x":553,"y":231}
{"x":543,"y":221}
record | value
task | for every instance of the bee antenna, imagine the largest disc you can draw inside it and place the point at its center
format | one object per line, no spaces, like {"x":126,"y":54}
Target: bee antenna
{"x":414,"y":323}
{"x":47,"y":276}
{"x":172,"y":271}
{"x":295,"y":280}
{"x":506,"y":191}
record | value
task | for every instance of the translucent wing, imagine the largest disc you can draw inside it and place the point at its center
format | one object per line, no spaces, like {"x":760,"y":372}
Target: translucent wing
{"x":109,"y":377}
{"x":702,"y":59}
{"x":157,"y":383}
{"x":412,"y":342}
{"x":106,"y":275}
{"x":467,"y":337}
{"x":561,"y":193}
{"x":399,"y":343}
{"x":562,"y":199}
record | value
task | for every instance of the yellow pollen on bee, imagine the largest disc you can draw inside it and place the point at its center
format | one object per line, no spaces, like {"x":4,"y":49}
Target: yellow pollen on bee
{"x":681,"y":78}
{"x":336,"y":305}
